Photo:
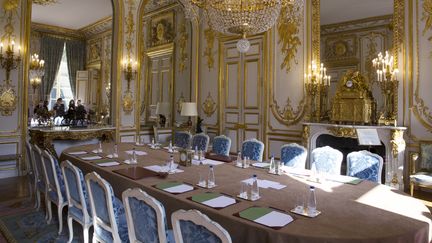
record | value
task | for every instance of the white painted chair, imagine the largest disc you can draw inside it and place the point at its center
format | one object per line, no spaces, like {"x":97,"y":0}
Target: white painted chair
{"x":40,"y":178}
{"x":189,"y":226}
{"x":145,"y":217}
{"x":55,"y":191}
{"x":78,"y":201}
{"x":31,"y":171}
{"x":109,"y":221}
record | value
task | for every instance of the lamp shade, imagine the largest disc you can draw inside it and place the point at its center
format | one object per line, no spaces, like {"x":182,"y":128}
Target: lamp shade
{"x":163,"y":108}
{"x":189,"y":109}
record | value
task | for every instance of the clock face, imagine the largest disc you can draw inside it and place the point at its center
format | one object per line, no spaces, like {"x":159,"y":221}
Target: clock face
{"x":349,"y":83}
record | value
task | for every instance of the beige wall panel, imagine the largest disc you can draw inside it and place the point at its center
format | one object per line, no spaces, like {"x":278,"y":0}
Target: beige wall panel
{"x":252,"y":119}
{"x":231,"y":117}
{"x":232,"y":85}
{"x":233,"y":134}
{"x":252,"y":84}
{"x":250,"y":134}
{"x":232,"y":53}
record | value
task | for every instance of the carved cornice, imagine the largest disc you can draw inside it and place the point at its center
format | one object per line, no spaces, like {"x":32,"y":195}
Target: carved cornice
{"x":357,"y":24}
{"x":57,"y":31}
{"x":154,"y":5}
{"x":98,"y":27}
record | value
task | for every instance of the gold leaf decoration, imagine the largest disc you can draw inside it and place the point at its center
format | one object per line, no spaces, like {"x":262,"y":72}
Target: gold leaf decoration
{"x":209,"y":35}
{"x":288,"y":29}
{"x":287,"y":115}
{"x":128,"y":102}
{"x":427,"y":17}
{"x":8,"y":99}
{"x":209,"y":105}
{"x":182,"y":45}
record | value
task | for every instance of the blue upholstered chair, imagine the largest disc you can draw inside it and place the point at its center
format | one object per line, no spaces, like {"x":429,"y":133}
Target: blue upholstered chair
{"x":200,"y":141}
{"x":194,"y":227}
{"x":145,"y":217}
{"x":221,"y":145}
{"x":182,"y":139}
{"x":30,"y":164}
{"x":365,"y":165}
{"x":78,"y":201}
{"x":253,"y":149}
{"x":326,"y":159}
{"x":55,"y":188}
{"x":39,"y":174}
{"x":294,"y":155}
{"x":109,"y":220}
{"x":421,"y":174}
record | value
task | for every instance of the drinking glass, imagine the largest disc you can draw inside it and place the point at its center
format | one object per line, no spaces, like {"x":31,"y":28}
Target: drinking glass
{"x":243,"y":190}
{"x":202,"y":180}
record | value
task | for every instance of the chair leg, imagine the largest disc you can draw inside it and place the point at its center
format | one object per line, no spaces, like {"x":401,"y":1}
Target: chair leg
{"x":94,"y":240}
{"x":70,"y":229}
{"x":48,"y":208}
{"x":37,"y":200}
{"x":60,"y":217}
{"x":86,"y":233}
{"x":412,"y":189}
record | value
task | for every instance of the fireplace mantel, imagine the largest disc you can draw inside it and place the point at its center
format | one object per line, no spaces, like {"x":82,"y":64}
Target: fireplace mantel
{"x":391,"y":137}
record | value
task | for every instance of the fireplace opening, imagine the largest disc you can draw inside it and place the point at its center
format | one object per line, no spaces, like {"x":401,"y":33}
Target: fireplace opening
{"x":348,"y":145}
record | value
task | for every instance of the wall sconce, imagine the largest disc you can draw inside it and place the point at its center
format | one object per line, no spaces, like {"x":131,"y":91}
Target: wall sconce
{"x":36,"y":72}
{"x":129,"y":70}
{"x":10,"y":58}
{"x":317,"y":83}
{"x":386,"y":77}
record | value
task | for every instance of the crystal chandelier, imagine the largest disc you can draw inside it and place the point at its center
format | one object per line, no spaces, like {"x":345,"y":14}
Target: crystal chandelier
{"x":240,"y":17}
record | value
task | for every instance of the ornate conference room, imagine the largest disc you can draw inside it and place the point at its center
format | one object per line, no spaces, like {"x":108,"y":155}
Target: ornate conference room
{"x":202,"y":121}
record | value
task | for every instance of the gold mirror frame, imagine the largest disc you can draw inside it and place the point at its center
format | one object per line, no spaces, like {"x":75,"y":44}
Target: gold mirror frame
{"x":398,"y":34}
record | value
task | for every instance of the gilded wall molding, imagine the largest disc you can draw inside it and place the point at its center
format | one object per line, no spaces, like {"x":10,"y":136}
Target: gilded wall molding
{"x":316,"y":31}
{"x":345,"y":132}
{"x":209,"y":105}
{"x":100,"y":26}
{"x":128,"y":97}
{"x":209,"y":35}
{"x":427,"y":17}
{"x":57,"y":31}
{"x":288,"y":28}
{"x":182,"y":42}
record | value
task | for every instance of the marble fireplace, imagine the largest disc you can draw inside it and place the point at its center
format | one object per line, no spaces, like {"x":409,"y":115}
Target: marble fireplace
{"x":343,"y":137}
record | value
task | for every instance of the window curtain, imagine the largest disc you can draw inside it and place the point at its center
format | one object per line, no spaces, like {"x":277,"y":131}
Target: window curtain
{"x":75,"y":53}
{"x":51,"y":51}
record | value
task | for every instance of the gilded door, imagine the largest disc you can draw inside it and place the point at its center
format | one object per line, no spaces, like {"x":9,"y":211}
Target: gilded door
{"x":241,"y":91}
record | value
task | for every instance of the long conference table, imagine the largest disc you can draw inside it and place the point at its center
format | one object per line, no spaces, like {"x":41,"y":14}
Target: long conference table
{"x":366,"y":212}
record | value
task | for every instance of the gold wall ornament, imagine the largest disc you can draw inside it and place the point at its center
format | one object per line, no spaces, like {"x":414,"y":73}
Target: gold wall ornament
{"x":209,"y":35}
{"x":427,"y":18}
{"x":179,"y":102}
{"x":128,"y":102}
{"x":162,"y":29}
{"x":8,"y":99}
{"x":397,"y":142}
{"x":130,"y":28}
{"x":345,"y":132}
{"x":209,"y":105}
{"x":183,"y":39}
{"x":288,"y":29}
{"x":316,"y":85}
{"x":305,"y":135}
{"x":353,"y":101}
{"x":287,"y":115}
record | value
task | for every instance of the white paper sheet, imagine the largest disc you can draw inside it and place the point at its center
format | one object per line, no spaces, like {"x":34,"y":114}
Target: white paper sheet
{"x":137,"y":152}
{"x":266,"y":184}
{"x":179,"y":189}
{"x":341,"y":178}
{"x":206,"y":162}
{"x":97,"y":151}
{"x":112,"y":156}
{"x":78,"y":153}
{"x":275,"y":219}
{"x":174,"y":149}
{"x":113,"y":163}
{"x":220,"y":202}
{"x":129,"y":162}
{"x":158,"y":168}
{"x":296,"y":171}
{"x":91,"y":157}
{"x":261,"y":165}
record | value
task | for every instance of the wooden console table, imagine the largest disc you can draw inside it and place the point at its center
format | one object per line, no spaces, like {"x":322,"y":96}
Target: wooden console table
{"x":44,"y":137}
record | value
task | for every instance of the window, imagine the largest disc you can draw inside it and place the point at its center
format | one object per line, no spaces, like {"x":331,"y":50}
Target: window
{"x":61,"y":87}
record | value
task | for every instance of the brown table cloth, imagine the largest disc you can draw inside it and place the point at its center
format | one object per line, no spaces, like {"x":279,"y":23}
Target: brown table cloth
{"x":367,"y":212}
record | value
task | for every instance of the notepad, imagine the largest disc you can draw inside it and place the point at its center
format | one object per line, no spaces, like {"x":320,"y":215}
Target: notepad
{"x":137,"y":152}
{"x":206,"y":162}
{"x":108,"y":164}
{"x":174,"y":187}
{"x":214,"y":200}
{"x":266,"y":184}
{"x":266,"y":216}
{"x":95,"y":157}
{"x":78,"y":152}
{"x":261,"y":165}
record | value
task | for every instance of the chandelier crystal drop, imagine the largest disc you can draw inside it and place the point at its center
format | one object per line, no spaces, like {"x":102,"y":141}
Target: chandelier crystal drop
{"x":240,"y":17}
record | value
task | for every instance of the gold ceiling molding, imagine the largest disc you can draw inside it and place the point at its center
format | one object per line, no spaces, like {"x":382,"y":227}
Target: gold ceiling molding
{"x":154,"y":5}
{"x":56,"y":31}
{"x":44,"y":2}
{"x":98,"y":27}
{"x":288,"y":28}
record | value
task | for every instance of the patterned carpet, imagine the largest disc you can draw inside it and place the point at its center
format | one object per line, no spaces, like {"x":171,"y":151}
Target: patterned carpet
{"x":19,"y":222}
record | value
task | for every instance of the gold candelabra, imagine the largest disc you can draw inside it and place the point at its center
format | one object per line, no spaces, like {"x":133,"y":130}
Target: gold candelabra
{"x":36,"y":71}
{"x":386,"y":77}
{"x":317,"y":84}
{"x":9,"y":59}
{"x":129,"y":70}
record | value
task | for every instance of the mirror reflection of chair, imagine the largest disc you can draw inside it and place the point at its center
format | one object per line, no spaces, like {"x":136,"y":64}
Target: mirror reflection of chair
{"x":30,"y":164}
{"x":200,"y":141}
{"x":55,"y":187}
{"x":253,"y":148}
{"x":182,"y":139}
{"x":193,"y":226}
{"x":109,"y":220}
{"x":39,"y":173}
{"x":145,"y":217}
{"x":78,"y":201}
{"x":365,"y":165}
{"x":326,"y":160}
{"x":294,"y":155}
{"x":221,"y":145}
{"x":421,"y":174}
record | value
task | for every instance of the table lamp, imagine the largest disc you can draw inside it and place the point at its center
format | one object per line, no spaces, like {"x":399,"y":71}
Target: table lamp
{"x":163,"y":110}
{"x":189,"y":109}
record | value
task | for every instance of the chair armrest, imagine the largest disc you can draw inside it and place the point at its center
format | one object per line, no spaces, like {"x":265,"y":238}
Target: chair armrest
{"x":413,"y":160}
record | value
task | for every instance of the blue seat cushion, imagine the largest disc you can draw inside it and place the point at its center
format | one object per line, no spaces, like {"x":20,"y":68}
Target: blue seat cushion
{"x":193,"y":233}
{"x":119,"y":212}
{"x":53,"y":194}
{"x":424,"y":178}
